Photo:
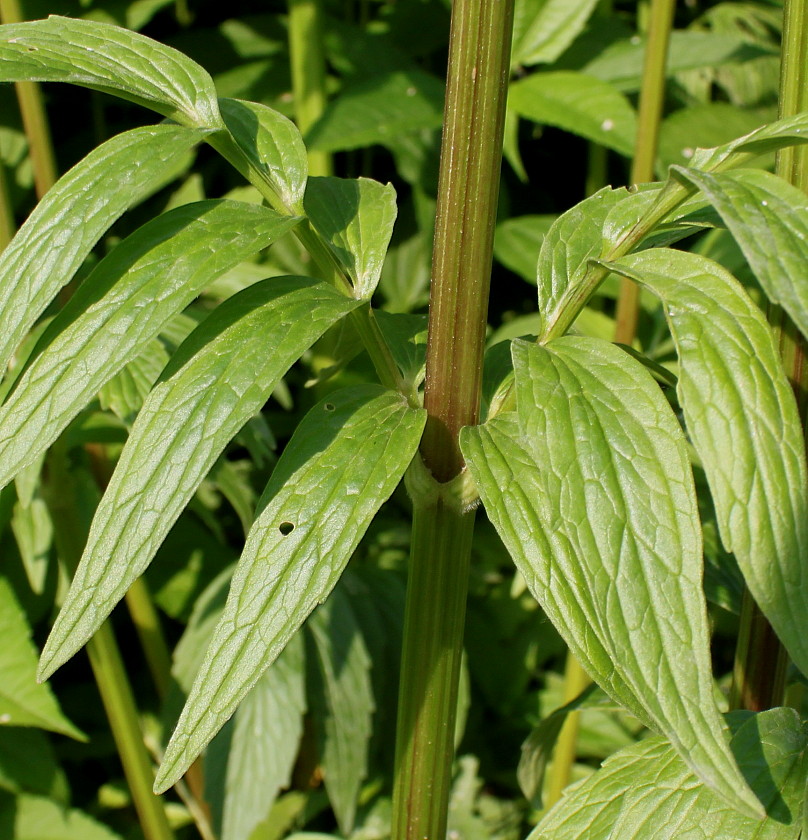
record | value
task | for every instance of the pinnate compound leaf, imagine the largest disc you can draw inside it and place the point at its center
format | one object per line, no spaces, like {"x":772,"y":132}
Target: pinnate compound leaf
{"x":590,"y":489}
{"x":251,"y":760}
{"x":119,"y":309}
{"x":55,"y":239}
{"x":272,"y":147}
{"x":646,"y":790}
{"x":343,"y":691}
{"x":741,"y":415}
{"x":769,"y":219}
{"x":343,"y":462}
{"x":355,"y":217}
{"x":22,"y":701}
{"x":543,"y":29}
{"x":577,"y":103}
{"x":113,"y":60}
{"x":220,"y":376}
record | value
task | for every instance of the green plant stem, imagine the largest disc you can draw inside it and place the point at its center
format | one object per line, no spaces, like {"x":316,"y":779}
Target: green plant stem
{"x":7,"y":226}
{"x":307,"y":58}
{"x":575,"y":681}
{"x":471,"y":156}
{"x":652,"y":97}
{"x":759,"y":672}
{"x":105,"y":658}
{"x":147,"y":624}
{"x":34,"y":119}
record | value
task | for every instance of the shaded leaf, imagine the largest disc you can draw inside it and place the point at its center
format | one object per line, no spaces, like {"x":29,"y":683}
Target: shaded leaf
{"x":23,"y":702}
{"x":345,"y":704}
{"x":743,"y":421}
{"x":543,"y":29}
{"x":28,"y":764}
{"x":343,"y":462}
{"x":29,"y":817}
{"x":112,"y":60}
{"x":577,"y":103}
{"x":355,"y":216}
{"x":517,"y":242}
{"x":123,"y":395}
{"x":61,"y":231}
{"x":647,"y":790}
{"x":221,"y":375}
{"x":120,"y":307}
{"x":591,"y":491}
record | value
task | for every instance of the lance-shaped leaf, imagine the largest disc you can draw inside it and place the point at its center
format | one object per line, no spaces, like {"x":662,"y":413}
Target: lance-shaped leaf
{"x":789,"y":131}
{"x":769,"y":219}
{"x":272,"y":147}
{"x":217,"y":380}
{"x":574,"y":238}
{"x":646,"y":790}
{"x":543,"y":29}
{"x":55,"y":239}
{"x":577,"y":103}
{"x":342,"y":703}
{"x":113,"y":60}
{"x":343,"y":462}
{"x":355,"y":217}
{"x":592,"y":493}
{"x":120,"y":307}
{"x":743,"y":420}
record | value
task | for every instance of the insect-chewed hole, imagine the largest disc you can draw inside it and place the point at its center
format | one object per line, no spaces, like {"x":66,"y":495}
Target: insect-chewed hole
{"x":329,"y":406}
{"x":286,"y":528}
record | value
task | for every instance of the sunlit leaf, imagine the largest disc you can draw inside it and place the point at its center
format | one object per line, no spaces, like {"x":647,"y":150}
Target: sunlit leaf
{"x":543,"y":29}
{"x":343,"y":462}
{"x":590,"y":489}
{"x":742,"y":418}
{"x":119,"y":309}
{"x":216,"y":381}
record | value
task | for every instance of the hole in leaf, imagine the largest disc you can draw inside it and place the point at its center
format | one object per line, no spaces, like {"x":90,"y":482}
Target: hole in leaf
{"x":32,"y":49}
{"x":329,"y":406}
{"x":286,"y":528}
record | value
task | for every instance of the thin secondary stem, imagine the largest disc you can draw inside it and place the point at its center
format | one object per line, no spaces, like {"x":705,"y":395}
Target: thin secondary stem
{"x":105,"y":659}
{"x":652,"y":97}
{"x":7,"y":226}
{"x":759,"y":673}
{"x":471,"y":155}
{"x":307,"y":59}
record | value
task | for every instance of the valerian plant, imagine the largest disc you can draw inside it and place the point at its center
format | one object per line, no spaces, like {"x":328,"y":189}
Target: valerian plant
{"x":581,"y":461}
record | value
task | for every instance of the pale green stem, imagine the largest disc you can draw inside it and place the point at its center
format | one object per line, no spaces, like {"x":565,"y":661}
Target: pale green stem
{"x":652,"y":98}
{"x":471,"y":153}
{"x":105,"y":658}
{"x":307,"y":57}
{"x":7,"y":226}
{"x":147,"y":624}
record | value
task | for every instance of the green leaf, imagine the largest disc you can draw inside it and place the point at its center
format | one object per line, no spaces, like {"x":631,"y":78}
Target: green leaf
{"x":742,"y":418}
{"x":517,"y":242}
{"x":251,"y":760}
{"x":33,"y":531}
{"x":543,"y":29}
{"x":36,"y":818}
{"x":355,"y":217}
{"x":592,"y":494}
{"x":622,"y":63}
{"x":343,"y":707}
{"x":769,"y":219}
{"x":789,"y":131}
{"x":28,"y":764}
{"x":574,"y":239}
{"x":647,"y":790}
{"x":378,"y":110}
{"x":343,"y":462}
{"x":22,"y":701}
{"x":216,"y":381}
{"x":70,"y":219}
{"x":125,"y":392}
{"x":272,"y":146}
{"x":406,"y":336}
{"x":113,"y":60}
{"x":706,"y":124}
{"x":119,"y":309}
{"x":580,"y":104}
